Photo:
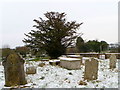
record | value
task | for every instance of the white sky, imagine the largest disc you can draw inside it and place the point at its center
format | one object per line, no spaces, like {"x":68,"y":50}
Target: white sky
{"x":100,"y":18}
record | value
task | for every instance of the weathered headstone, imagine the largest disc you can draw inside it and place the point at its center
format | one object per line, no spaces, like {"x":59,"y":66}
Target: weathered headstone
{"x":113,"y":60}
{"x":14,"y":70}
{"x":91,"y":69}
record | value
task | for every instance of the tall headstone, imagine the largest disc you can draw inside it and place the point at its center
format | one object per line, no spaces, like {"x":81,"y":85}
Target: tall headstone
{"x":91,"y":69}
{"x":14,"y":70}
{"x":113,"y":60}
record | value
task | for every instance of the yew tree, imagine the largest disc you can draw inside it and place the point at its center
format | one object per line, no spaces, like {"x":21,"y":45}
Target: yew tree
{"x":53,"y":34}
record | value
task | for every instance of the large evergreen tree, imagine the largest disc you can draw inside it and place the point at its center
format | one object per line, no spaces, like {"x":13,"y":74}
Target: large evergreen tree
{"x":53,"y":34}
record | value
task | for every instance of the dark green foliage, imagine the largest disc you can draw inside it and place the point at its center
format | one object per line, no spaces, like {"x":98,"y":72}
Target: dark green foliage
{"x":6,"y":52}
{"x":71,"y":50}
{"x":81,"y":45}
{"x":40,"y":58}
{"x":22,"y":50}
{"x":103,"y":46}
{"x":96,"y":46}
{"x":91,"y":45}
{"x":53,"y":34}
{"x":119,"y":49}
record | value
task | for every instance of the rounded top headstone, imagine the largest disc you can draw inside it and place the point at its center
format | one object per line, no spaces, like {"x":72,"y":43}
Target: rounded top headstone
{"x":13,"y":59}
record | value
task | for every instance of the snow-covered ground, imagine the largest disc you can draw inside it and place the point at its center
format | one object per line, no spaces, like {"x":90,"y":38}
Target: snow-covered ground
{"x":56,"y":77}
{"x":2,"y":79}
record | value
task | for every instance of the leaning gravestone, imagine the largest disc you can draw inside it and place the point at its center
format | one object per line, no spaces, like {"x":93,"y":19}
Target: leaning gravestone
{"x":14,"y":70}
{"x":91,"y":69}
{"x":113,"y":60}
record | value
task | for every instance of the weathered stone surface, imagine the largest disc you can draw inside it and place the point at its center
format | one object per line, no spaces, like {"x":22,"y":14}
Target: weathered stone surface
{"x":41,"y":64}
{"x":31,"y":70}
{"x":113,"y":60}
{"x":76,"y":56}
{"x":74,"y":63}
{"x":54,"y":62}
{"x":81,"y":61}
{"x":14,"y":70}
{"x":95,"y":55}
{"x":102,"y":57}
{"x":82,"y":83}
{"x":91,"y":69}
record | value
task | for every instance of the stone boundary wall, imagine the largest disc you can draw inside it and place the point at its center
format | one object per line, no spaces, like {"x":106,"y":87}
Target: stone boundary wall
{"x":96,"y":55}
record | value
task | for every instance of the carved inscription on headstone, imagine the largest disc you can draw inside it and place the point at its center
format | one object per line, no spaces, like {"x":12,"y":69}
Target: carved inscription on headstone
{"x":91,"y":69}
{"x":113,"y":60}
{"x":14,"y":70}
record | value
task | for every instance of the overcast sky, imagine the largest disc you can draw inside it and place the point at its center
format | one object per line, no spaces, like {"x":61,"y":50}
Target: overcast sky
{"x":100,"y":18}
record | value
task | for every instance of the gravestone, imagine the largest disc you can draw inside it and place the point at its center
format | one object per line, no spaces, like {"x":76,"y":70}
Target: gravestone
{"x":14,"y":70}
{"x":91,"y":69}
{"x":113,"y":60}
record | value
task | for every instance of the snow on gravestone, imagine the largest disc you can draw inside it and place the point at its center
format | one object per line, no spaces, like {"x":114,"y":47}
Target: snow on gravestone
{"x":14,"y":70}
{"x":70,"y":63}
{"x":91,"y":69}
{"x":76,"y":56}
{"x":113,"y":60}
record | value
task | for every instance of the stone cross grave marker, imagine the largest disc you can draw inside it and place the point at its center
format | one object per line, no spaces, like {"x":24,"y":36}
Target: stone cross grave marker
{"x":14,"y":70}
{"x":91,"y":69}
{"x":113,"y":60}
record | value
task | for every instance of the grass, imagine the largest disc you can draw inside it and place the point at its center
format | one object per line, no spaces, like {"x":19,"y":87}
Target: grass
{"x":40,"y":58}
{"x":36,"y":59}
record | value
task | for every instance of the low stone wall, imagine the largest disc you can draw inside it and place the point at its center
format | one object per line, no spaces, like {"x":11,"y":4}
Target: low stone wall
{"x":96,"y":55}
{"x":90,"y":55}
{"x":107,"y":56}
